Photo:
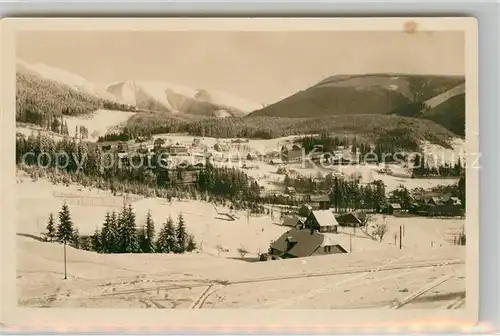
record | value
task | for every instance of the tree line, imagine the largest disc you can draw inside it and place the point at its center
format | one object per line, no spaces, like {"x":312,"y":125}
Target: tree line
{"x":344,"y":194}
{"x":120,"y":234}
{"x":422,"y":169}
{"x":83,"y":164}
{"x":58,"y":125}
{"x":405,"y":131}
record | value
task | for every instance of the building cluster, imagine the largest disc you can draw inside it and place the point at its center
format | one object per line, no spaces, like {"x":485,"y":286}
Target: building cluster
{"x":314,"y":227}
{"x":177,"y":158}
{"x":443,"y":205}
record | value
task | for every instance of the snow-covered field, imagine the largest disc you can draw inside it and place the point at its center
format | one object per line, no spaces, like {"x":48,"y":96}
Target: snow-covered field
{"x":97,"y":123}
{"x":88,"y":209}
{"x":358,"y":280}
{"x":210,"y":278}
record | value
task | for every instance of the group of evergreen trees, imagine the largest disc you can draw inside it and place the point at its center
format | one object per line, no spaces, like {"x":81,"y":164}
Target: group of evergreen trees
{"x":420,"y":168}
{"x":83,"y":162}
{"x":345,"y":194}
{"x":348,"y":195}
{"x":122,"y":136}
{"x":64,"y":231}
{"x":328,"y":142}
{"x":119,"y":234}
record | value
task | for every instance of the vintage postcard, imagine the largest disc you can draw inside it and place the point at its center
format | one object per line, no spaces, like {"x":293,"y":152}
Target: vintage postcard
{"x":240,"y":174}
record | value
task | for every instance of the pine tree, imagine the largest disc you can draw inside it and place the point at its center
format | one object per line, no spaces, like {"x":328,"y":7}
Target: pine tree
{"x":50,"y":229}
{"x":191,"y":245}
{"x":106,"y":239}
{"x":166,"y":242}
{"x":127,"y":231}
{"x":84,"y":243}
{"x":95,"y":240}
{"x":142,"y":240}
{"x":149,"y":234}
{"x":181,"y":235}
{"x":75,"y":238}
{"x":66,"y":130}
{"x":65,"y":230}
{"x":114,"y":232}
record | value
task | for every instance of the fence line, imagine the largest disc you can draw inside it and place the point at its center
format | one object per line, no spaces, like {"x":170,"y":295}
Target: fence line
{"x":104,"y":200}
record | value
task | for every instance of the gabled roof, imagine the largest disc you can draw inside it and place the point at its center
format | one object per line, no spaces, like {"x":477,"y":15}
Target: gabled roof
{"x":349,"y":217}
{"x":395,"y":205}
{"x":306,"y":245}
{"x":324,"y":217}
{"x":291,"y":221}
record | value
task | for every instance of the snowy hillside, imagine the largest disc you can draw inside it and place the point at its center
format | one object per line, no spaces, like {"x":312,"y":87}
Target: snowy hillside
{"x":153,"y":95}
{"x":439,"y":99}
{"x":180,"y":99}
{"x":64,"y":77}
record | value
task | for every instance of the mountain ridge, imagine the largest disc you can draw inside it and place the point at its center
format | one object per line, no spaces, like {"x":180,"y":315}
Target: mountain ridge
{"x":148,"y":95}
{"x":366,"y":94}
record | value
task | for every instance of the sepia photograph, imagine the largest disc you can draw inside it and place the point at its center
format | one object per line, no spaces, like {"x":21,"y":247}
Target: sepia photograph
{"x":255,"y":168}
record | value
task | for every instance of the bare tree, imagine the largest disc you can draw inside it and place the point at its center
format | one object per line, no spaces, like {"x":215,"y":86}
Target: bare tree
{"x":380,"y":230}
{"x":242,"y":251}
{"x":219,"y":248}
{"x":366,"y":219}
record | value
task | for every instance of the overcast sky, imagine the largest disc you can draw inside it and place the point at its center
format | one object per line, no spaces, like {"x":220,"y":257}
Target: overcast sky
{"x":259,"y":66}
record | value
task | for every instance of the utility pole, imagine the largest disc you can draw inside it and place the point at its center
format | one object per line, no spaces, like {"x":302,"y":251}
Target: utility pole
{"x":65,"y":275}
{"x":350,"y":243}
{"x":400,"y":237}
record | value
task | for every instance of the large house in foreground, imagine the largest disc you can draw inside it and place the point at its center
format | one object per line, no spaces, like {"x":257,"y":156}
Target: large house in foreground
{"x":298,"y":243}
{"x":314,"y":235}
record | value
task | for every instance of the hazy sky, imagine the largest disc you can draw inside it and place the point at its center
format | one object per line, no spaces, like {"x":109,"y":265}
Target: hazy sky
{"x":259,"y":66}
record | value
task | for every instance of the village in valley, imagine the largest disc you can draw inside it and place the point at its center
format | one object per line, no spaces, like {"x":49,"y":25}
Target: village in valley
{"x":193,"y":199}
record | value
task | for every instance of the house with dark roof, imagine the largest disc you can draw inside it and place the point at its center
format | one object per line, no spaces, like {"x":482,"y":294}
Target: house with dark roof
{"x":394,"y":209}
{"x":293,"y":221}
{"x":349,"y":219}
{"x":322,"y":221}
{"x":304,"y":243}
{"x":158,"y":143}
